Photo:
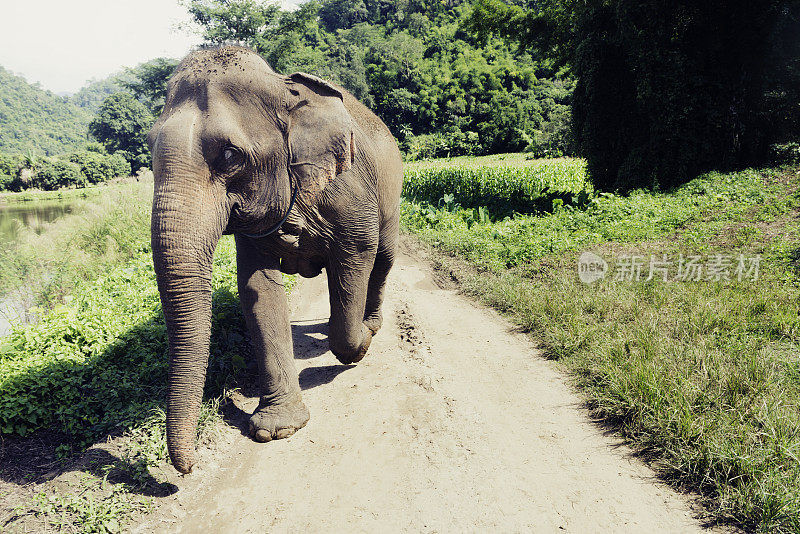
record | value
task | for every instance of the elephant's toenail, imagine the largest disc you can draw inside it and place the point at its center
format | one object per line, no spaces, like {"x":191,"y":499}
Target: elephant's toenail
{"x":284,"y":433}
{"x":263,"y":436}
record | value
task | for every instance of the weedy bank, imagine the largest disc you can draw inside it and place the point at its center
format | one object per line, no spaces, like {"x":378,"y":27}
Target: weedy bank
{"x":109,"y":225}
{"x":702,"y":376}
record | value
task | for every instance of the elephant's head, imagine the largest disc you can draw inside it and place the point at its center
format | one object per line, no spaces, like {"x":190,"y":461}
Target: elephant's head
{"x":232,"y":142}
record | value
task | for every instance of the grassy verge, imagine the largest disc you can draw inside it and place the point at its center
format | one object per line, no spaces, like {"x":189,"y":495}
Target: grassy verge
{"x":94,"y":369}
{"x":100,"y":233}
{"x":35,"y":195}
{"x":703,"y":376}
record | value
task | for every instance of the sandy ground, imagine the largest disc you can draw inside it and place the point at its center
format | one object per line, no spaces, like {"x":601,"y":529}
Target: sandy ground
{"x":452,"y":423}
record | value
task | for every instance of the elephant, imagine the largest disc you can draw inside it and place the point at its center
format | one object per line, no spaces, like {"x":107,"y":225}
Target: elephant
{"x":306,"y":178}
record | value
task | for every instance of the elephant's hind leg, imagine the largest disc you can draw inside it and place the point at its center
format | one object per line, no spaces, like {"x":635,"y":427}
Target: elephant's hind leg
{"x":281,"y":411}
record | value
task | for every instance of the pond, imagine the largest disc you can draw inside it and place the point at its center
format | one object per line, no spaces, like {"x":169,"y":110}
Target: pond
{"x":33,"y":214}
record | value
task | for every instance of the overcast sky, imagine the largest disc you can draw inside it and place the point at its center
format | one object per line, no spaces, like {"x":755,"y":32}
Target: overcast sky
{"x":63,"y":43}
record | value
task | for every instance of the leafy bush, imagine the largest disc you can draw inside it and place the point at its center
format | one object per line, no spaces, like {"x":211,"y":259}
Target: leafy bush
{"x":101,"y":167}
{"x":91,"y":166}
{"x":121,"y":125}
{"x":98,"y":364}
{"x":6,"y":181}
{"x":503,"y":184}
{"x":54,"y":174}
{"x":785,"y":154}
{"x":10,"y":164}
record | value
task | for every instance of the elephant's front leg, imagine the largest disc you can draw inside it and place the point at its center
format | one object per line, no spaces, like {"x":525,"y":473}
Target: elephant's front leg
{"x":281,"y":411}
{"x":348,"y":279}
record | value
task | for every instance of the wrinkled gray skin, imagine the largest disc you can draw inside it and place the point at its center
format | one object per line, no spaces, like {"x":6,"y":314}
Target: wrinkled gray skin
{"x":232,"y":138}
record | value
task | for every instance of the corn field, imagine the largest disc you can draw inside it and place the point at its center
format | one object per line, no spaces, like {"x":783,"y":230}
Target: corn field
{"x":504,"y":183}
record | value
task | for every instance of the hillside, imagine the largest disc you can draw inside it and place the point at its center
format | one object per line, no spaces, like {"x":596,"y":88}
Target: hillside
{"x":91,"y":96}
{"x":33,"y":119}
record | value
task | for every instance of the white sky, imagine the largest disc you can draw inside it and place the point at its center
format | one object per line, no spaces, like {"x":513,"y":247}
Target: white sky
{"x":64,"y":43}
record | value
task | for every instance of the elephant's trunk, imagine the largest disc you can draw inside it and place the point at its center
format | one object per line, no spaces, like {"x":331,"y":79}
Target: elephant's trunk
{"x":187,"y":222}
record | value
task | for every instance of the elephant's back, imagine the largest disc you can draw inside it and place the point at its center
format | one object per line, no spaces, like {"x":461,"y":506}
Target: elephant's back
{"x":386,"y":155}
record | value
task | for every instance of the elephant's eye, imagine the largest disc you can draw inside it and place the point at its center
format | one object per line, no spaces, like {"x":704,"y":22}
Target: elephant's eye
{"x":229,"y":160}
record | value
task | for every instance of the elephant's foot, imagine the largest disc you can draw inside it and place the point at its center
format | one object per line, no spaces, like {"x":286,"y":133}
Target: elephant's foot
{"x":349,"y":354}
{"x":278,"y":421}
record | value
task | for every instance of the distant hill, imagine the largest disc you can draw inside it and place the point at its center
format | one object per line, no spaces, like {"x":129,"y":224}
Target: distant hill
{"x":36,"y":120}
{"x":91,"y":96}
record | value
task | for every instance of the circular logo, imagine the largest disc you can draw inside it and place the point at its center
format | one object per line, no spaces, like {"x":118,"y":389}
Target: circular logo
{"x":591,"y":267}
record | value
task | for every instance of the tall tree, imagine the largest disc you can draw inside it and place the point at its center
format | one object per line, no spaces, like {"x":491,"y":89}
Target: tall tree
{"x":122,"y":125}
{"x":148,"y":82}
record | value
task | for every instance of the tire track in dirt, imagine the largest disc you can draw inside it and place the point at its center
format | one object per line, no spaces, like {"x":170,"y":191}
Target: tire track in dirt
{"x":451,"y":423}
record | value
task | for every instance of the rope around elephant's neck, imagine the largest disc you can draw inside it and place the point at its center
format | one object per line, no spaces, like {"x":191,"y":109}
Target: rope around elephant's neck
{"x":277,"y":227}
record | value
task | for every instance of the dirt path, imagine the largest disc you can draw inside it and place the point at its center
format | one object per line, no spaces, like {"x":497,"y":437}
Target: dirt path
{"x":451,"y":423}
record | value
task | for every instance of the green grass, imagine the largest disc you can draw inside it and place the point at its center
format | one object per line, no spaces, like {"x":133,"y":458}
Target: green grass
{"x":64,"y":194}
{"x":703,"y":377}
{"x":504,"y":183}
{"x":96,"y":366}
{"x":102,"y":232}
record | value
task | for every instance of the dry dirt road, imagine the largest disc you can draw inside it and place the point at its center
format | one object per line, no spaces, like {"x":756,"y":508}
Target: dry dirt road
{"x":452,"y":423}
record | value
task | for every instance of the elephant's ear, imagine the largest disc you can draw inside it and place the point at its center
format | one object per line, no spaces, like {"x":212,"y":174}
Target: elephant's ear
{"x":320,"y":133}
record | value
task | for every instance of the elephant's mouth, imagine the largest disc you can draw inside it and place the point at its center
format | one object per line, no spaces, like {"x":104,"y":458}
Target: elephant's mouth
{"x":241,"y":222}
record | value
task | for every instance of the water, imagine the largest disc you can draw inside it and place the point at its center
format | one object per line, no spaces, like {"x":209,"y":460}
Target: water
{"x":33,"y":215}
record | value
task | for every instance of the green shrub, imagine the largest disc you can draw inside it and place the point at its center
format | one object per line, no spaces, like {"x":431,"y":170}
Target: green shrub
{"x":6,"y":182}
{"x":119,"y":165}
{"x":785,"y":154}
{"x":99,"y":168}
{"x":10,"y":164}
{"x":54,"y":174}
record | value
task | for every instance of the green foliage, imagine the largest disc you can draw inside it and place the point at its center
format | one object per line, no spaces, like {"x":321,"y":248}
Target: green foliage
{"x":122,"y":125}
{"x":100,"y":360}
{"x":666,"y":91}
{"x":99,"y":167}
{"x":785,"y":154}
{"x":502,"y":184}
{"x":148,"y":82}
{"x":512,"y":241}
{"x":32,"y":119}
{"x":441,"y":93}
{"x":55,"y":174}
{"x":107,"y":229}
{"x":77,"y":169}
{"x":92,"y":95}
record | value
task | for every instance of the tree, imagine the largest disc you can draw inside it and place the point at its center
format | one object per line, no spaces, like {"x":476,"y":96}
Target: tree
{"x":122,"y":125}
{"x":666,"y":90}
{"x":240,"y":21}
{"x":148,"y":82}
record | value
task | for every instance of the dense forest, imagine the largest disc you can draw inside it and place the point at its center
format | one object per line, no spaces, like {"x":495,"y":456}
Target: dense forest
{"x":666,"y":91}
{"x":439,"y":90}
